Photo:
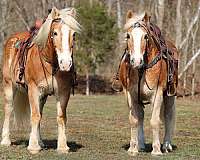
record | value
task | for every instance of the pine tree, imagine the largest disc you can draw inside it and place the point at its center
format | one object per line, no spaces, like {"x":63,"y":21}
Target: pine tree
{"x":97,"y":40}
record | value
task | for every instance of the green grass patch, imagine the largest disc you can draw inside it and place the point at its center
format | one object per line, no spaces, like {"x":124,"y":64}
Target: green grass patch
{"x":98,"y":129}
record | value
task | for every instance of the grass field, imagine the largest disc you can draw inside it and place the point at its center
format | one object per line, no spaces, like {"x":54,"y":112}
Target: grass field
{"x":98,"y":129}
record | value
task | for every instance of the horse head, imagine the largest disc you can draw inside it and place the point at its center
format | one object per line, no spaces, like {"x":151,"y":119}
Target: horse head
{"x":137,"y":37}
{"x":59,"y":30}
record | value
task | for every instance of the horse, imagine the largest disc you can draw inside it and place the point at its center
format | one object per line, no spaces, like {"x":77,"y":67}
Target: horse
{"x":48,"y":71}
{"x":144,"y":71}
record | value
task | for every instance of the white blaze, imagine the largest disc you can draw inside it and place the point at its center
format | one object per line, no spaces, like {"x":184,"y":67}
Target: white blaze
{"x":137,"y":34}
{"x":64,"y":56}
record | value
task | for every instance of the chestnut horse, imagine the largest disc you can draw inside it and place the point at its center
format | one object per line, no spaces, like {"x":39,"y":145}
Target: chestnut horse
{"x":144,"y":71}
{"x":48,"y":71}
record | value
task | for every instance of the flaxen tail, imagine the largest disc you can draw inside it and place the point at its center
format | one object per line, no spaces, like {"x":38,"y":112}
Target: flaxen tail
{"x":21,"y":109}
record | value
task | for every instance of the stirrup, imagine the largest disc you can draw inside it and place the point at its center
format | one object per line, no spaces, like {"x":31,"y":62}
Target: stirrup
{"x":169,"y":91}
{"x":116,"y":79}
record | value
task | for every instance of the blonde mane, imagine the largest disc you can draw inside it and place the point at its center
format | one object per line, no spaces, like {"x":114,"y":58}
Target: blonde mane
{"x":67,"y":15}
{"x":133,"y":20}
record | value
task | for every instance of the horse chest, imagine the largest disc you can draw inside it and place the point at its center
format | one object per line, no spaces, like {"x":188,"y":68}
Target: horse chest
{"x":48,"y":86}
{"x":146,"y":92}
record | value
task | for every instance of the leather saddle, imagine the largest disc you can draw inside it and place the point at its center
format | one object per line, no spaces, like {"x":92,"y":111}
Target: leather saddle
{"x":22,"y":46}
{"x":170,"y":54}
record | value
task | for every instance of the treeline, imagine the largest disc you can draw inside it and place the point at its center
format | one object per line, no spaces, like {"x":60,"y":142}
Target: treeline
{"x":101,"y":43}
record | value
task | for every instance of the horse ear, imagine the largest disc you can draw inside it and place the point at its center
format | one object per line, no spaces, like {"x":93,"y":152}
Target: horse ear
{"x":145,"y":17}
{"x":129,"y":15}
{"x":73,"y":12}
{"x":55,"y":13}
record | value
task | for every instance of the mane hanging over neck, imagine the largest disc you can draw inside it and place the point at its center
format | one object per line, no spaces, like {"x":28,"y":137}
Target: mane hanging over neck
{"x":67,"y":15}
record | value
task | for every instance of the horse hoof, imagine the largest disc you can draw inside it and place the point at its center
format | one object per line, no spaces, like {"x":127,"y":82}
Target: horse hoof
{"x":6,"y":142}
{"x":141,"y":150}
{"x":156,"y":153}
{"x":63,"y":150}
{"x":34,"y":150}
{"x":132,"y":152}
{"x":167,"y":147}
{"x":41,"y":144}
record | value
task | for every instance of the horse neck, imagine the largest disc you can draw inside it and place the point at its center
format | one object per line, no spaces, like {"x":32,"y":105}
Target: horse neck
{"x":153,"y":52}
{"x":48,"y":52}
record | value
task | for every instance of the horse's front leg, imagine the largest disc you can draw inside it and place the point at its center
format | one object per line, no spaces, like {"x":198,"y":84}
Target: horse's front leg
{"x":155,"y":121}
{"x":34,"y":100}
{"x":62,"y":102}
{"x":136,"y":118}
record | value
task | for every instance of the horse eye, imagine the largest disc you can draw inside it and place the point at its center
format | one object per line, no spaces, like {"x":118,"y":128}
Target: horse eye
{"x":74,"y":34}
{"x":146,"y":36}
{"x":128,"y":36}
{"x":55,"y":33}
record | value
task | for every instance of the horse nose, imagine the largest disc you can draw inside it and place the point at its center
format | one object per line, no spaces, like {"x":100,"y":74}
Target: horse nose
{"x":132,"y":61}
{"x":61,"y":61}
{"x":70,"y":63}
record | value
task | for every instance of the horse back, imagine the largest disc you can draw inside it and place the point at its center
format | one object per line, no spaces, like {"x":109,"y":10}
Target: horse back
{"x":10,"y":52}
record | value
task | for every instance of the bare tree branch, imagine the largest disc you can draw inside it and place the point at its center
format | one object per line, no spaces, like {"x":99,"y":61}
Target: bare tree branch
{"x":18,"y":11}
{"x":189,"y":63}
{"x":196,"y":18}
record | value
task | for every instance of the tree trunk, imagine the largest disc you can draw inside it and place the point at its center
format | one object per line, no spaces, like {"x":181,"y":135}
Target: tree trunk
{"x":87,"y":83}
{"x":119,"y":23}
{"x":185,"y":56}
{"x":73,"y":3}
{"x":142,"y":5}
{"x":178,"y":23}
{"x":161,"y":11}
{"x":21,"y":13}
{"x":185,"y":74}
{"x":119,"y":15}
{"x":109,"y":6}
{"x":3,"y":7}
{"x":91,"y":3}
{"x":194,"y":64}
{"x":43,"y":8}
{"x":193,"y":78}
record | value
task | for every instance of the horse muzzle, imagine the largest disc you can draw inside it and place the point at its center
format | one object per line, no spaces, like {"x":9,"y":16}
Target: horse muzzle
{"x":65,"y":65}
{"x":136,"y":62}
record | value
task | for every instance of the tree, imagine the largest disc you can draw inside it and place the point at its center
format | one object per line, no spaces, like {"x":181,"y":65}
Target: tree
{"x":97,"y":39}
{"x":160,"y":13}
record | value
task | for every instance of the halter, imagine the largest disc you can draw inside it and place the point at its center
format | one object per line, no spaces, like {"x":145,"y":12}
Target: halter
{"x":145,"y":65}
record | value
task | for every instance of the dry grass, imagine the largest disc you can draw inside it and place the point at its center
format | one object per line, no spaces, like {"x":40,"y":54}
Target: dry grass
{"x":98,"y":128}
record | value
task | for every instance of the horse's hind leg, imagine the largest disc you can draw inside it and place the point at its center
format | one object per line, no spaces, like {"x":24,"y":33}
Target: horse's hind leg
{"x":155,"y":121}
{"x":169,"y":120}
{"x":8,"y":108}
{"x":136,"y":118}
{"x":42,"y":101}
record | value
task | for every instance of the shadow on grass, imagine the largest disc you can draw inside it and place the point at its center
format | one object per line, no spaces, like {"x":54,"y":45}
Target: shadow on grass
{"x":148,"y":147}
{"x":52,"y":144}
